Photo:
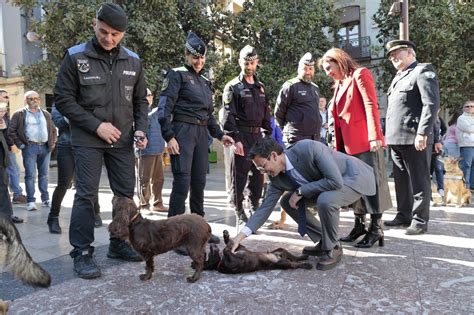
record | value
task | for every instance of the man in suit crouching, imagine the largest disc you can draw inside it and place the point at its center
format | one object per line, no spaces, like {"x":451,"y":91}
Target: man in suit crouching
{"x":310,"y":174}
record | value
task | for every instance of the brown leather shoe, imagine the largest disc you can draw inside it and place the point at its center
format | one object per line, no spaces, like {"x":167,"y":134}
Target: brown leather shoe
{"x":19,"y":199}
{"x":330,"y":259}
{"x":314,"y":250}
{"x":160,"y":208}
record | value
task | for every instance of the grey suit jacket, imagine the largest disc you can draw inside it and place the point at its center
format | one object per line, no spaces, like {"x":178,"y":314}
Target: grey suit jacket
{"x":413,"y":101}
{"x":324,"y":169}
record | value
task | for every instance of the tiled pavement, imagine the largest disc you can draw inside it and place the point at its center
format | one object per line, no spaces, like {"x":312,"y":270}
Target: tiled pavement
{"x":425,"y":274}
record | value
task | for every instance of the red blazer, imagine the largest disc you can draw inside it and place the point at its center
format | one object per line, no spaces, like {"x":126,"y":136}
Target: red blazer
{"x":356,"y":114}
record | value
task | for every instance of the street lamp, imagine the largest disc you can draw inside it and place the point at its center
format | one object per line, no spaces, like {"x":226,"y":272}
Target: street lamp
{"x":400,"y":7}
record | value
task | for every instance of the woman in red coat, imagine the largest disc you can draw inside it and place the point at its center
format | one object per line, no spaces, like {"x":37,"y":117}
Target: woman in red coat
{"x":357,"y":132}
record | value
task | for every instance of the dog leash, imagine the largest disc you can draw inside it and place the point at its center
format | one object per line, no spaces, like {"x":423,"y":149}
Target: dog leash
{"x":139,"y":179}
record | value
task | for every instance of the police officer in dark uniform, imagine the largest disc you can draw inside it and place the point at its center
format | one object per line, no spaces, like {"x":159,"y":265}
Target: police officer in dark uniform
{"x":297,"y":105}
{"x":413,"y":101}
{"x":246,"y":112}
{"x":100,"y":88}
{"x":186,"y":116}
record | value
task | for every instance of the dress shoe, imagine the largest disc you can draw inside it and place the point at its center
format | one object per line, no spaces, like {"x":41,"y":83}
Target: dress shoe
{"x":416,"y":228}
{"x":214,"y":239}
{"x":314,"y":250}
{"x":16,"y":219}
{"x":19,"y":199}
{"x":85,"y":266}
{"x":97,"y":220}
{"x":119,"y":249}
{"x":330,"y":259}
{"x":160,"y":208}
{"x":181,"y":250}
{"x":396,"y":222}
{"x":53,"y":224}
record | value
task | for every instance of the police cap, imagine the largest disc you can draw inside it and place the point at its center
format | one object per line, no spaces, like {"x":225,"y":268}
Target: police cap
{"x":113,"y":15}
{"x":306,"y":60}
{"x":248,"y":53}
{"x":398,"y":44}
{"x":195,"y":45}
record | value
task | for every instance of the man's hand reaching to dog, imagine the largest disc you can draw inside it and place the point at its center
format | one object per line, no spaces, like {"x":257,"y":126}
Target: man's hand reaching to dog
{"x":237,"y":240}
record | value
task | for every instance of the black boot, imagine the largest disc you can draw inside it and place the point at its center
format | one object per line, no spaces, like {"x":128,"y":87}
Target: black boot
{"x":375,"y":233}
{"x":241,"y":216}
{"x":119,"y":249}
{"x":53,"y":223}
{"x":357,"y":231}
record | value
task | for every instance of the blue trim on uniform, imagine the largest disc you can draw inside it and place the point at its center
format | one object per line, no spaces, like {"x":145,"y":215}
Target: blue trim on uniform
{"x":131,"y":53}
{"x":77,"y":49}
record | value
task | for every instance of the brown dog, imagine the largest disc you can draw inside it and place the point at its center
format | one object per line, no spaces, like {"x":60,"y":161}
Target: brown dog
{"x":454,"y":186}
{"x":244,"y":260}
{"x":150,"y":238}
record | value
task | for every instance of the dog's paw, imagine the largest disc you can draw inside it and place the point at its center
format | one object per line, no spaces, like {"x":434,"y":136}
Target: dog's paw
{"x":145,"y":276}
{"x":191,"y":279}
{"x":307,"y":266}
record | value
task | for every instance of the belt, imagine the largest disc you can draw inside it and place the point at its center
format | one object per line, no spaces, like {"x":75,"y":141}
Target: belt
{"x":190,"y":120}
{"x":38,"y":143}
{"x":249,"y":129}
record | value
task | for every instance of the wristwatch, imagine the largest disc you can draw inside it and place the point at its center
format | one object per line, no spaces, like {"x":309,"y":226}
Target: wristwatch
{"x":299,"y":193}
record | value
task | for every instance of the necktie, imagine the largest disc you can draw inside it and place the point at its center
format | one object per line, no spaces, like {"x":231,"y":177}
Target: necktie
{"x":301,"y":218}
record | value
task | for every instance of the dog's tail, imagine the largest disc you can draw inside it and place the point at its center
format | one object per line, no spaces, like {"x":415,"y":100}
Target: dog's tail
{"x":18,"y":260}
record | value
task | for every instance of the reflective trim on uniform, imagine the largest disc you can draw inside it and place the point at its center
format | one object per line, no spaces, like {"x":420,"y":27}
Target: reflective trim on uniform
{"x":131,"y":53}
{"x":77,"y":49}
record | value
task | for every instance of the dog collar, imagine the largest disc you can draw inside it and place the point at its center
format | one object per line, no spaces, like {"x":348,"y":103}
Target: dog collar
{"x":134,"y":217}
{"x":453,"y":177}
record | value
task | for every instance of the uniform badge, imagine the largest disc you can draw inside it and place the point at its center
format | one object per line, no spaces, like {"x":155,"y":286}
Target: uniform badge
{"x":165,"y":84}
{"x":83,"y":65}
{"x":227,"y":97}
{"x":430,"y":75}
{"x":128,"y":92}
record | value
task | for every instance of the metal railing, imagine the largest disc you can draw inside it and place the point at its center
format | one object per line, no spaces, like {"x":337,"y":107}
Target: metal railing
{"x":357,"y":48}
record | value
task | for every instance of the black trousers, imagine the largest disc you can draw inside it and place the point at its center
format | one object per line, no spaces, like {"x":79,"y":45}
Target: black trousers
{"x":411,"y":173}
{"x":245,"y":174}
{"x":119,"y":163}
{"x":189,"y":168}
{"x":66,"y":166}
{"x":5,"y":202}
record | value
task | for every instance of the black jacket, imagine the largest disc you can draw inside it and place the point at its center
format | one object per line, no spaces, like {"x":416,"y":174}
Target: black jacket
{"x":298,"y":107}
{"x":245,"y":105}
{"x":189,"y":94}
{"x":95,"y":86}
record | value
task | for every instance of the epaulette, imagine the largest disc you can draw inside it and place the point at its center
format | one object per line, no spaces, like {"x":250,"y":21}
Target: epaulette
{"x":204,"y":78}
{"x":315,"y":85}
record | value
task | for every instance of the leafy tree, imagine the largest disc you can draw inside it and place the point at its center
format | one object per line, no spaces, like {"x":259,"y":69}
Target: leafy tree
{"x":443,"y":33}
{"x":281,"y":31}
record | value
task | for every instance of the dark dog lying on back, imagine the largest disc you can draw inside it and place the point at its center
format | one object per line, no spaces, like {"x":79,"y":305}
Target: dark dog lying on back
{"x":244,"y":260}
{"x":150,"y":238}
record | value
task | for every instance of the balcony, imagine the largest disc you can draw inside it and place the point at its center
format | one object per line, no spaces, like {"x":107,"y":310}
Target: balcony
{"x":357,"y":48}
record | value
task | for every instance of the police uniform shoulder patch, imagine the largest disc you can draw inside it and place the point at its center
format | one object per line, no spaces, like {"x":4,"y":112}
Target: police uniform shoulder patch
{"x":430,"y":75}
{"x":165,"y":84}
{"x":181,"y":69}
{"x":83,"y":65}
{"x":227,"y":95}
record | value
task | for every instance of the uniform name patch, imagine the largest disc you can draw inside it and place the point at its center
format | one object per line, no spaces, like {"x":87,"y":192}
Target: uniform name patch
{"x":303,"y":93}
{"x":128,"y":72}
{"x":92,"y":77}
